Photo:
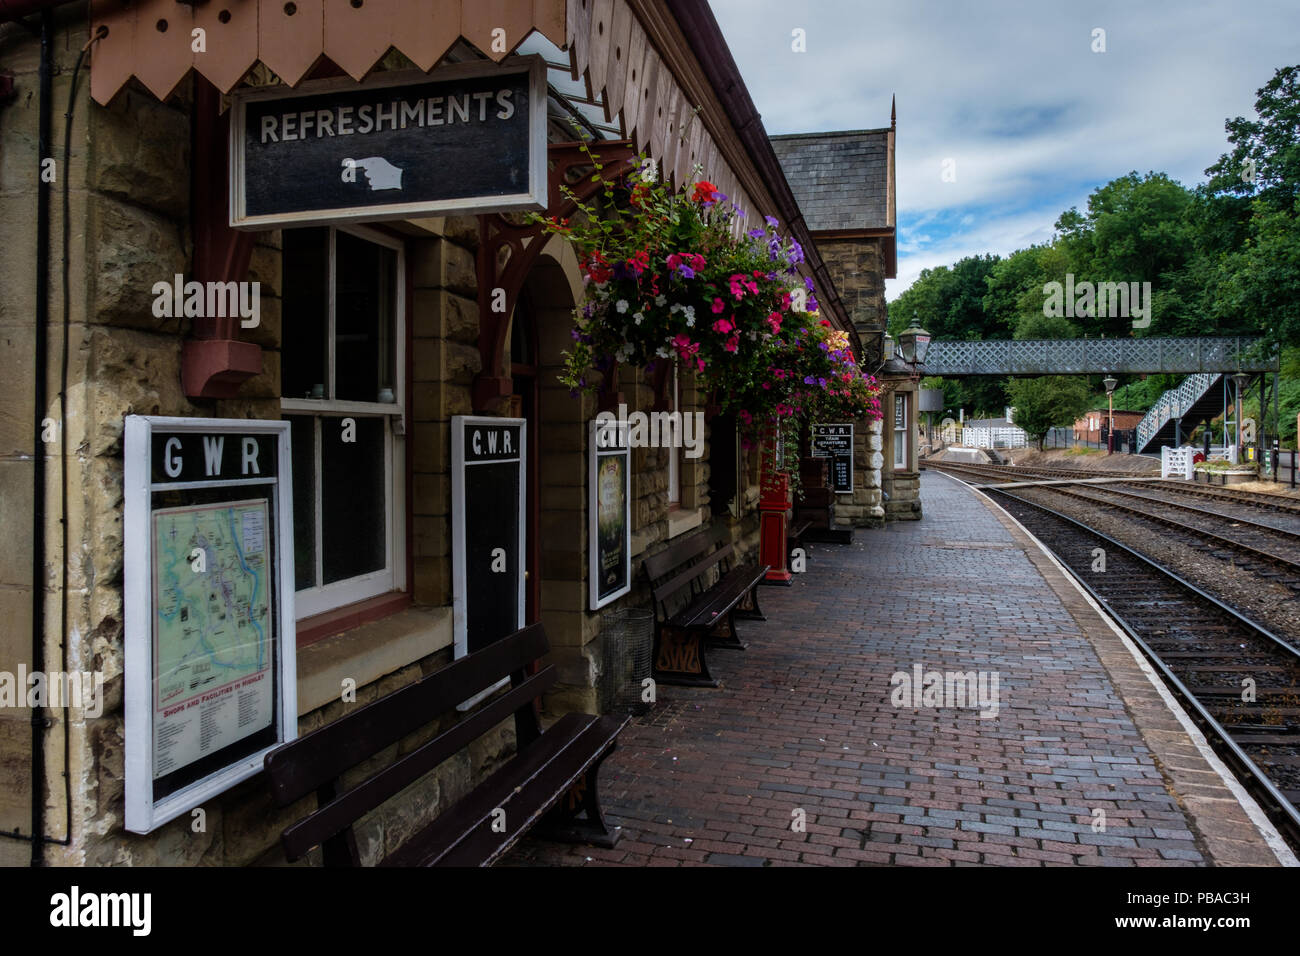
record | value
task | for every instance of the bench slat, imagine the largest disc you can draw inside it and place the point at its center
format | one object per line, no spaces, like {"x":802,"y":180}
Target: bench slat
{"x":353,"y":804}
{"x":677,"y":554}
{"x":302,"y":766}
{"x":683,"y":578}
{"x":525,"y":789}
{"x":721,"y":598}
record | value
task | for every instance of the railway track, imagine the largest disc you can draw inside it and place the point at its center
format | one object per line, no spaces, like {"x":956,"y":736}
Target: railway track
{"x":1255,"y":500}
{"x":1259,"y":547}
{"x":1240,"y":681}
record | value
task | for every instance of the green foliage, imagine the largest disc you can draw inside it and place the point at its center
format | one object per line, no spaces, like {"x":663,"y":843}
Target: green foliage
{"x":1045,"y":403}
{"x":1222,"y":259}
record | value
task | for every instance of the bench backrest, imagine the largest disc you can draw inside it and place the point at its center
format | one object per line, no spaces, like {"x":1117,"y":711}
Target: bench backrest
{"x":680,"y":565}
{"x":316,"y":762}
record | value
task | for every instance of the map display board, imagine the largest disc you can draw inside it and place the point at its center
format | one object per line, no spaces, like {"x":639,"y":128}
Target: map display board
{"x":210,"y":664}
{"x":212,"y":630}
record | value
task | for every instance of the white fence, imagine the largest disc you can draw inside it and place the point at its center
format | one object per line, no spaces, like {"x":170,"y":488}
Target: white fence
{"x":994,"y":438}
{"x":1176,"y":462}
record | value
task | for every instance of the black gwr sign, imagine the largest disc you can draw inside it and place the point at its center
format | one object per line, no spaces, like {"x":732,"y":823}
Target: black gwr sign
{"x":468,"y":138}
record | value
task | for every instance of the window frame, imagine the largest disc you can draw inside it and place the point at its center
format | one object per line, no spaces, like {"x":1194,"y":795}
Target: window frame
{"x":901,"y":459}
{"x":323,"y":598}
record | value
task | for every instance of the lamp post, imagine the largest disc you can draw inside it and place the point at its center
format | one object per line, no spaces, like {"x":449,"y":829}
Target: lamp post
{"x":1110,"y":383}
{"x":1240,"y":379}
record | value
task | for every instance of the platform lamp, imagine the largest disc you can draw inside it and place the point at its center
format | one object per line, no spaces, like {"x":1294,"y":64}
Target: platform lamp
{"x":1110,"y":382}
{"x":913,"y":343}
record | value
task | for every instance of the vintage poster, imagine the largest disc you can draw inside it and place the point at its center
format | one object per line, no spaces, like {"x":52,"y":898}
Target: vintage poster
{"x":610,"y":513}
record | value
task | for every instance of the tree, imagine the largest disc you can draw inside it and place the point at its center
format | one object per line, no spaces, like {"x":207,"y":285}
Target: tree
{"x":1045,"y":403}
{"x":1255,"y":190}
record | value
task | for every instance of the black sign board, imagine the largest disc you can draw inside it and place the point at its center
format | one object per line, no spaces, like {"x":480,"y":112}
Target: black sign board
{"x":488,"y":518}
{"x":217,"y":456}
{"x":468,"y":138}
{"x":836,"y":442}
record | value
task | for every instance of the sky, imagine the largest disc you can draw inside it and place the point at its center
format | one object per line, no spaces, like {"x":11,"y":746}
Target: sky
{"x":1032,"y":119}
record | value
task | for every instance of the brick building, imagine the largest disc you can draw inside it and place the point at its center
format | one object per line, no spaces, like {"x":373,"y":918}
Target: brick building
{"x":393,"y":326}
{"x":845,"y":185}
{"x":1091,"y":426}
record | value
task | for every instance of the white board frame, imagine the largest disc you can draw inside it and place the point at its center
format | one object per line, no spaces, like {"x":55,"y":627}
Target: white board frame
{"x":459,"y":583}
{"x":621,"y":432}
{"x":535,"y":198}
{"x":143,"y":814}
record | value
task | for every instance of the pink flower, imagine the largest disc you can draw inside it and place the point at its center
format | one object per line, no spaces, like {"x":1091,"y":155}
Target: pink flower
{"x":722,"y":326}
{"x":733,"y":343}
{"x":718,"y":306}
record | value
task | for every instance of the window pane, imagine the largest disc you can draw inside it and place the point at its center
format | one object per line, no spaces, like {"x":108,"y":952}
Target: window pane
{"x":305,"y":310}
{"x":353,"y":521}
{"x":302,"y":436}
{"x":364,"y":304}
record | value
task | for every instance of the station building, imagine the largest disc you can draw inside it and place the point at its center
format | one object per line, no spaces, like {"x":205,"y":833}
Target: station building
{"x":382,"y":329}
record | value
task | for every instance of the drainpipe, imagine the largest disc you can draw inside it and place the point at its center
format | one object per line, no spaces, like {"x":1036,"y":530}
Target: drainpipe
{"x":39,"y":401}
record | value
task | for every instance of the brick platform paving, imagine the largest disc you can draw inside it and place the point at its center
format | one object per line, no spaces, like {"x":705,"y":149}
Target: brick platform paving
{"x":804,"y":727}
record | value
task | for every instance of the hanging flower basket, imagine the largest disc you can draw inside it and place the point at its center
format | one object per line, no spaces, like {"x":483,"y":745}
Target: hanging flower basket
{"x":670,"y":278}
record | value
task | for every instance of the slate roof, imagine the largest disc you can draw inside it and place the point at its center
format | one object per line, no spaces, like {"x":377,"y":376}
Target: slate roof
{"x":841,"y":179}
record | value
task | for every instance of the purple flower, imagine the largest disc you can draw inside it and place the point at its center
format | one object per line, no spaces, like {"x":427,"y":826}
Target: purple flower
{"x":649,"y":368}
{"x":770,"y":221}
{"x":796,"y":251}
{"x":575,"y":335}
{"x":808,"y":283}
{"x":812,"y":303}
{"x":808,"y":380}
{"x":685,"y":271}
{"x":756,"y":233}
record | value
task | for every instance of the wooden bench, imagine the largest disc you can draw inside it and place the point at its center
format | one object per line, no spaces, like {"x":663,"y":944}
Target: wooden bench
{"x":710,"y":609}
{"x":549,"y":783}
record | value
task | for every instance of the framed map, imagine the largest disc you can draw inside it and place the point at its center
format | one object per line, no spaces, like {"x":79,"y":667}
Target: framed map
{"x":211,"y":676}
{"x":212,"y":630}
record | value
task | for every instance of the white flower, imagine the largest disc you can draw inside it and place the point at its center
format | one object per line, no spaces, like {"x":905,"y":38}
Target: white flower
{"x":690,"y":320}
{"x":662,"y":352}
{"x":660,"y":300}
{"x":637,"y":318}
{"x":621,"y":305}
{"x":690,"y":312}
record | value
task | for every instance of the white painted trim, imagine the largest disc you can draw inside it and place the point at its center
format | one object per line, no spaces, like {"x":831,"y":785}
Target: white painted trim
{"x":534,"y":199}
{"x":142,"y":813}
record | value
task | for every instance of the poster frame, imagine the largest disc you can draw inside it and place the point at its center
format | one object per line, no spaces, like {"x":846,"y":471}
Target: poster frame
{"x":143,"y":813}
{"x":459,"y":548}
{"x":622,"y":449}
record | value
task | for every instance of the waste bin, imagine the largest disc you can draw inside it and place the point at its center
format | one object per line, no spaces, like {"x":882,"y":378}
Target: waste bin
{"x":627,"y":635}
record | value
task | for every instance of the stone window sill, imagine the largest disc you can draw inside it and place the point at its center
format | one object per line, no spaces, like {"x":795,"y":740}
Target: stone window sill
{"x":681,"y":521}
{"x":369,"y":652}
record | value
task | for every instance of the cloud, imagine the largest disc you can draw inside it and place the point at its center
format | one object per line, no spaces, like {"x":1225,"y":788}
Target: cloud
{"x":1012,"y":92}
